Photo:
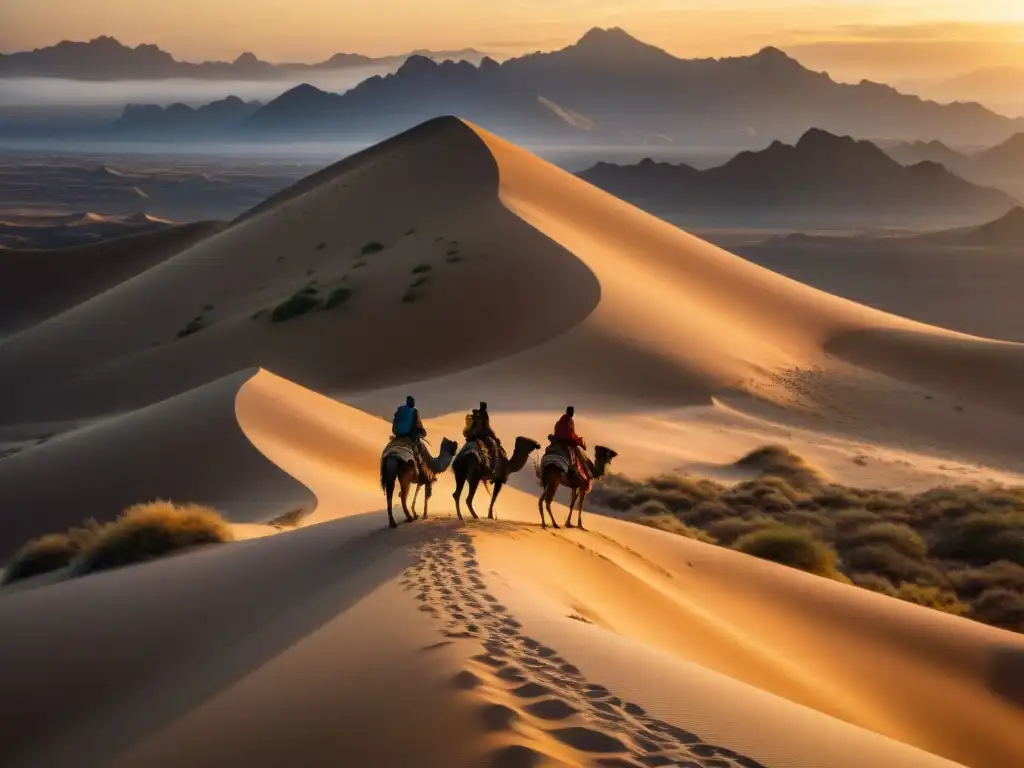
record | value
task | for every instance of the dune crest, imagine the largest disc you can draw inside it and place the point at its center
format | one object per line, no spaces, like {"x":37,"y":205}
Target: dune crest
{"x":257,"y":369}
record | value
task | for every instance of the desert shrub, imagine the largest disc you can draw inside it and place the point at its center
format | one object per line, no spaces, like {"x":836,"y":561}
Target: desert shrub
{"x":338,"y":297}
{"x":971,"y":582}
{"x":372,"y":247}
{"x":874,"y":582}
{"x":983,"y":537}
{"x":850,"y":519}
{"x":944,"y":600}
{"x":49,"y":553}
{"x":730,"y":529}
{"x":779,"y":461}
{"x":707,"y":512}
{"x":410,"y":297}
{"x":195,"y":325}
{"x":148,"y":531}
{"x":652,"y":507}
{"x":420,"y":269}
{"x":1000,"y":607}
{"x":882,"y":559}
{"x":792,"y":547}
{"x":420,"y":281}
{"x":900,"y":538}
{"x":298,"y":303}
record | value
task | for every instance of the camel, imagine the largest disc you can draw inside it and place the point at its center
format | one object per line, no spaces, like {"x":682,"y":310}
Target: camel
{"x":397,"y":464}
{"x":467,"y":469}
{"x":551,"y":476}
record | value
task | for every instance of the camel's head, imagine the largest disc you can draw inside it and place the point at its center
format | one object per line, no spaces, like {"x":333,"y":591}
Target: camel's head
{"x":527,"y":445}
{"x":604,"y":455}
{"x":448,"y":446}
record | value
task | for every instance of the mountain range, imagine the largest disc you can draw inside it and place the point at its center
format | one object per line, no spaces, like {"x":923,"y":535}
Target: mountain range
{"x":999,"y":166}
{"x":106,"y":58}
{"x":822,"y":175}
{"x":611,"y":87}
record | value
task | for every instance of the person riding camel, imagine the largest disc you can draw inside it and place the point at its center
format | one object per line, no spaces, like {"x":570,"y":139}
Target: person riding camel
{"x":565,"y":434}
{"x":406,"y":423}
{"x":478,"y":427}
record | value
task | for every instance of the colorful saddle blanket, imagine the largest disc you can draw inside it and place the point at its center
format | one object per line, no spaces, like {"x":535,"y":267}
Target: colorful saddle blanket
{"x":569,"y":461}
{"x":489,"y":453}
{"x":409,"y":450}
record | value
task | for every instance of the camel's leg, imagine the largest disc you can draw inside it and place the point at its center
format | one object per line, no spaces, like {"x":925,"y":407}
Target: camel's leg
{"x":540,"y":506}
{"x":579,"y":511}
{"x":404,"y":495}
{"x":494,"y":497}
{"x":549,"y":495}
{"x":460,"y":480}
{"x":389,"y":491}
{"x":428,"y":491}
{"x":572,"y":503}
{"x":415,"y":495}
{"x":474,"y":483}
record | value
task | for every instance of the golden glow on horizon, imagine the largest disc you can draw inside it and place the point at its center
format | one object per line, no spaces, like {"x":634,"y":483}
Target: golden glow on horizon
{"x":309,"y":30}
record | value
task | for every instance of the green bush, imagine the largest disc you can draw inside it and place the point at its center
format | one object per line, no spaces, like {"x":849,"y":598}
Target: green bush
{"x":149,"y":531}
{"x":788,"y":546}
{"x":898,"y":537}
{"x":983,"y":537}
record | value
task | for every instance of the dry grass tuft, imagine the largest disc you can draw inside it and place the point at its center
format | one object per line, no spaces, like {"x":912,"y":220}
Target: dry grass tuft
{"x":149,"y":531}
{"x":49,"y":553}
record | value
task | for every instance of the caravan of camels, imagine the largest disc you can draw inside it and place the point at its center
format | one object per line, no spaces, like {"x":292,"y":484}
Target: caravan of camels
{"x":482,"y":458}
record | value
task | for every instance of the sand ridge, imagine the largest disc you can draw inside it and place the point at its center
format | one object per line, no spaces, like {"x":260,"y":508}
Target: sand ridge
{"x":503,"y":645}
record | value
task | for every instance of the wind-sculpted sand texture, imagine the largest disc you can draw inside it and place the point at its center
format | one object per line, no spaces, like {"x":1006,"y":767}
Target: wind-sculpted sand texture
{"x":536,"y":692}
{"x":256,"y":370}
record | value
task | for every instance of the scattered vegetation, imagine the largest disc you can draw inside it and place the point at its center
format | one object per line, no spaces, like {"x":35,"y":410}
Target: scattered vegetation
{"x":143,"y":532}
{"x":420,"y":269}
{"x":195,"y":325}
{"x":410,"y":297}
{"x":149,"y":531}
{"x":410,"y":232}
{"x":338,"y":297}
{"x":580,"y":618}
{"x":956,"y":549}
{"x":420,"y":281}
{"x":289,"y":519}
{"x":299,"y":303}
{"x":372,"y":247}
{"x":359,"y":265}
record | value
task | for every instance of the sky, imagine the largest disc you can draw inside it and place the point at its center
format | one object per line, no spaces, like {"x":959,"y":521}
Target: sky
{"x":850,"y":38}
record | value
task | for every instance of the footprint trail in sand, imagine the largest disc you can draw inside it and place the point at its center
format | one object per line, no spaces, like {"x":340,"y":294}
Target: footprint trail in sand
{"x":532,"y":692}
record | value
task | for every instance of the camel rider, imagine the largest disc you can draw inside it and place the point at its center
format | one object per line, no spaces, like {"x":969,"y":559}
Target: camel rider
{"x":407,"y":423}
{"x":565,"y":434}
{"x":478,"y":427}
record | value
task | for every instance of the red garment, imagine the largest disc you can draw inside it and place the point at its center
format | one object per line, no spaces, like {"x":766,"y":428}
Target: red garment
{"x":565,"y":431}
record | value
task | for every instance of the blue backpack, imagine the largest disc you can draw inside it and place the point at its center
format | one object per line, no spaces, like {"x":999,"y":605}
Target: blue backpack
{"x":405,"y":418}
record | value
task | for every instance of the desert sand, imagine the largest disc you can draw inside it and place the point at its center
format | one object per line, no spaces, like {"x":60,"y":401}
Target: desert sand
{"x":488,"y":642}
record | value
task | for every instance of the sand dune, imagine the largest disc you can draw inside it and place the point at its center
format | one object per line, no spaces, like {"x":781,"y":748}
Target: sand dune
{"x":41,"y":284}
{"x":493,"y":642}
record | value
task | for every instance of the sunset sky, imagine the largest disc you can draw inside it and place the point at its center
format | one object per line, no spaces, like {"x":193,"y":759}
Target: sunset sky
{"x":896,"y":38}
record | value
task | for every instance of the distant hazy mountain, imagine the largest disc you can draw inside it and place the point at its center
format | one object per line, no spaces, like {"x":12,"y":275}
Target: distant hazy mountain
{"x":177,"y":120}
{"x":912,"y":152}
{"x":999,"y":88}
{"x":821,"y":174}
{"x":1004,"y":232}
{"x":1000,"y":166}
{"x":627,"y":86}
{"x":419,"y":90}
{"x":105,"y":58}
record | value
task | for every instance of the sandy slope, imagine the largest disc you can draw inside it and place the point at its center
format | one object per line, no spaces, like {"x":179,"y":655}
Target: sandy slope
{"x":440,"y":644}
{"x":40,"y":284}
